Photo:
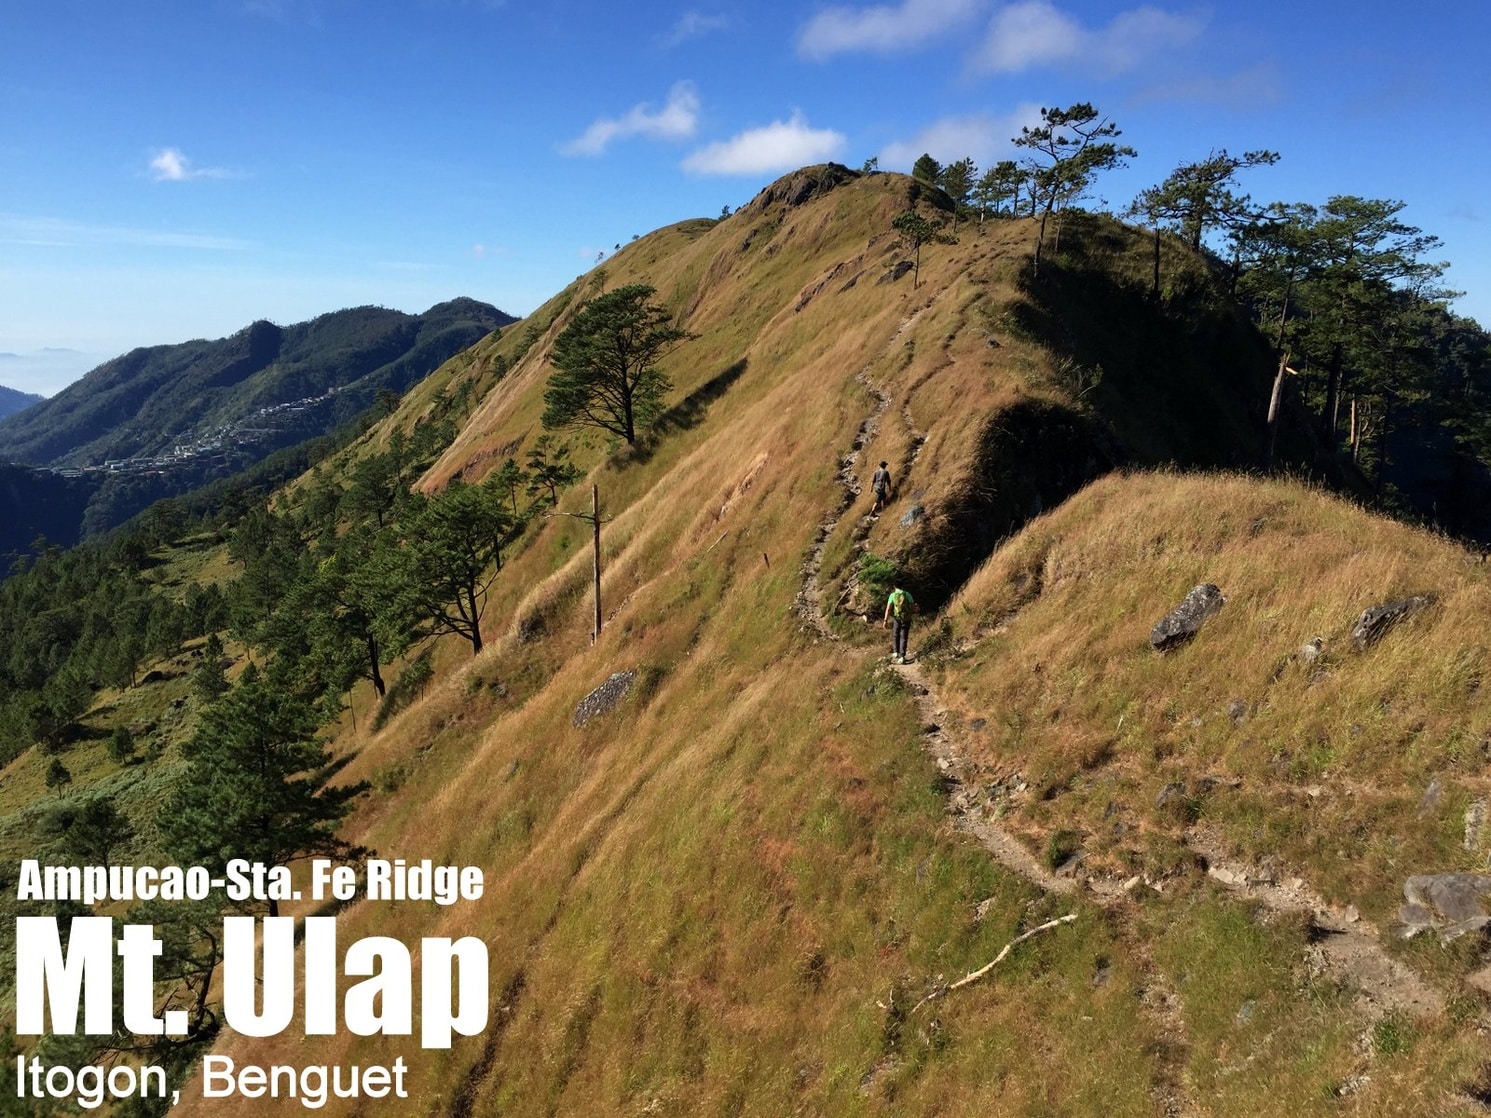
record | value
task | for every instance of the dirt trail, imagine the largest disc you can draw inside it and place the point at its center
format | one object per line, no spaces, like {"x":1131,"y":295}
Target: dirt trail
{"x":809,"y":603}
{"x":1346,"y":947}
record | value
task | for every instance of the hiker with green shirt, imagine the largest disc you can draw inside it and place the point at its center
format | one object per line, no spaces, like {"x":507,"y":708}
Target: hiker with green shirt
{"x":898,"y":610}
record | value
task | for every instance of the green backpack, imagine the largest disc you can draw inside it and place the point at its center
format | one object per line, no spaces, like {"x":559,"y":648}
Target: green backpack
{"x":900,"y":604}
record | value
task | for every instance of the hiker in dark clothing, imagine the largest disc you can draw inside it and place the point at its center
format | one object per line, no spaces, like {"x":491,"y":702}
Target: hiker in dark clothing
{"x":880,"y":486}
{"x":899,"y":608}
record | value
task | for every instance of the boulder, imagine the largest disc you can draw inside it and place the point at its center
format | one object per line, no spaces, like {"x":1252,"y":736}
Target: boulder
{"x":1185,"y":620}
{"x":1449,"y":903}
{"x":1376,"y":621}
{"x":605,"y":697}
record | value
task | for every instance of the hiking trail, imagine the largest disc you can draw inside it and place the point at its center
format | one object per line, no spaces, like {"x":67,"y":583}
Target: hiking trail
{"x":1344,"y":947}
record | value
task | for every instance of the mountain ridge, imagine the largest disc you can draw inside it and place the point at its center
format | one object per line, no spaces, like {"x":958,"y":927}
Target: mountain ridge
{"x":753,"y":882}
{"x":12,"y":400}
{"x":142,"y":402}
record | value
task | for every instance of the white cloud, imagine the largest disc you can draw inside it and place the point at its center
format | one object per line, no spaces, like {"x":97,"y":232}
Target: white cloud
{"x":1032,"y":33}
{"x":983,"y":137}
{"x":691,"y":25}
{"x":882,"y":28}
{"x":676,"y":120}
{"x":170,"y":165}
{"x":782,"y":145}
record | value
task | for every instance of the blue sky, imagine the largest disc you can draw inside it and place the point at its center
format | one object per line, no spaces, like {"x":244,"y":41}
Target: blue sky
{"x":175,"y":169}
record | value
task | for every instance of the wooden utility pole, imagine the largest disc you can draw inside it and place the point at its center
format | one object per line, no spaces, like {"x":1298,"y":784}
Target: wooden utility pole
{"x":594,"y":517}
{"x":595,"y":520}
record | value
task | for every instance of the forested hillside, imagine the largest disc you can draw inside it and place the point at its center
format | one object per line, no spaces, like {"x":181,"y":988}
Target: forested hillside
{"x":12,"y":401}
{"x":162,"y":421}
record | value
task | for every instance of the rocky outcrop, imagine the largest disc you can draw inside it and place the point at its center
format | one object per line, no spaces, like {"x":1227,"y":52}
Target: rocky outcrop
{"x":1448,"y":903}
{"x":1185,"y":620}
{"x":604,"y":698}
{"x":800,"y":187}
{"x":1376,"y":621}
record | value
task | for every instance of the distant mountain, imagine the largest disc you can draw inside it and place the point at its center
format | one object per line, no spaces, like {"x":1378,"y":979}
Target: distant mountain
{"x":231,"y":402}
{"x":12,"y":401}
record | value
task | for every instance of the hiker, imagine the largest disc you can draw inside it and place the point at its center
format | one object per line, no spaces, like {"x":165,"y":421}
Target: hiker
{"x":898,"y":610}
{"x":880,"y":486}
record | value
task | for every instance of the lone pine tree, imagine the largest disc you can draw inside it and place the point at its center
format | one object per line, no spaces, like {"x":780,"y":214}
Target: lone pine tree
{"x":607,"y":363}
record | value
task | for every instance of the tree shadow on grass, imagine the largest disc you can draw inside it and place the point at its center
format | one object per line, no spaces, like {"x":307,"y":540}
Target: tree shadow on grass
{"x":688,"y":412}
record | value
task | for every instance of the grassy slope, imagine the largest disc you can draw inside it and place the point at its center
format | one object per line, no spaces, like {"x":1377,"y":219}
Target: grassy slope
{"x":1334,"y":757}
{"x":724,"y":897}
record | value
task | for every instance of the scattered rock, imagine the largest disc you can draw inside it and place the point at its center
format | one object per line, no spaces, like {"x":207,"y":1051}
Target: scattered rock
{"x":605,"y":697}
{"x":799,"y":187}
{"x":1203,"y":785}
{"x":1376,"y":621}
{"x":1475,"y":823}
{"x":1449,"y":903}
{"x":1311,"y":650}
{"x":1481,"y":980}
{"x":1184,"y":621}
{"x":1431,"y":797}
{"x":1173,"y":791}
{"x":912,"y":515}
{"x":1237,"y":710}
{"x":901,"y":268}
{"x":1227,"y":876}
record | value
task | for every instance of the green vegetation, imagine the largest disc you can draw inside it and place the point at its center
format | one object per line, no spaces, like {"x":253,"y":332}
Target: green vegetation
{"x":1068,"y":149}
{"x":916,"y":230}
{"x":607,"y":363}
{"x":257,"y":783}
{"x":229,"y":403}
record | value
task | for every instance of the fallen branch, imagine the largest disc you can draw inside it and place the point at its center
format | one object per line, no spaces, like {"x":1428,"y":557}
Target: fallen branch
{"x":974,"y":976}
{"x":1008,"y":947}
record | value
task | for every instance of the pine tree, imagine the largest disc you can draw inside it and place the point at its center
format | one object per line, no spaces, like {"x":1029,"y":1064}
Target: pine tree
{"x":1069,"y":147}
{"x":257,"y":783}
{"x":606,"y":359}
{"x":926,"y":168}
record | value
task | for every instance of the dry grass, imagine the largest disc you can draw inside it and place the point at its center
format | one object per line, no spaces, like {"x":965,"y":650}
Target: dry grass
{"x":724,"y":896}
{"x":1330,"y":754}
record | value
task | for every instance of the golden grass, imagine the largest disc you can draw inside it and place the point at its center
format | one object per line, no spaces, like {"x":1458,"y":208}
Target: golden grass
{"x":725,"y":896}
{"x":1332,"y":754}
